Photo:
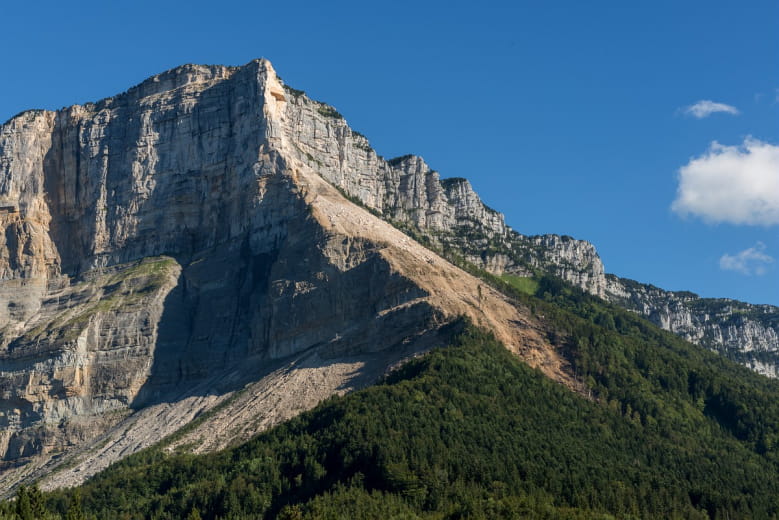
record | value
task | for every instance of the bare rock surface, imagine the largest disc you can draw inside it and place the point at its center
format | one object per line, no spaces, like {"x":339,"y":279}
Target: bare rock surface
{"x":173,"y":253}
{"x":214,"y":251}
{"x":450,"y":215}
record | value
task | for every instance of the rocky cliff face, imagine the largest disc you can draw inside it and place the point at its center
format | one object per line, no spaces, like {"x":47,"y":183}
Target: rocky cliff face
{"x":742,"y":331}
{"x":212,"y":240}
{"x":403,"y":189}
{"x":176,"y":248}
{"x":450,"y":216}
{"x":448,"y":212}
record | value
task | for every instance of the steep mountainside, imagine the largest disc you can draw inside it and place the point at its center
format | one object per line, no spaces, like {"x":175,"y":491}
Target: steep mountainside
{"x":212,"y":244}
{"x":449,"y":215}
{"x":171,"y":251}
{"x":470,"y":431}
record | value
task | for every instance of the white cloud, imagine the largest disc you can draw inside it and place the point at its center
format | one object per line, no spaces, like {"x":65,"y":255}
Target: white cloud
{"x":705,"y":108}
{"x":735,"y":184}
{"x":749,"y":261}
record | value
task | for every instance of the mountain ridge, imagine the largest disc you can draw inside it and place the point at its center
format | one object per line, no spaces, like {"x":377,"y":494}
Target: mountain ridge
{"x":480,"y":234}
{"x":238,"y":182}
{"x":267,"y":263}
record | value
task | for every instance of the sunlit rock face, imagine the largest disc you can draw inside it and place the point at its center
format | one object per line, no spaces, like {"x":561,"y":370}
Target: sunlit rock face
{"x":212,"y":232}
{"x":164,"y":248}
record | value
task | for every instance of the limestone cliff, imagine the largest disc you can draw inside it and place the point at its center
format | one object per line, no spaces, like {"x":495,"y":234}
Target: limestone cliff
{"x":746,"y":333}
{"x":449,"y":215}
{"x":176,"y":249}
{"x":214,"y":241}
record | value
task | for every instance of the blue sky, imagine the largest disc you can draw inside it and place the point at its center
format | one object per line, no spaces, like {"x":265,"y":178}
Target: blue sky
{"x":569,"y":117}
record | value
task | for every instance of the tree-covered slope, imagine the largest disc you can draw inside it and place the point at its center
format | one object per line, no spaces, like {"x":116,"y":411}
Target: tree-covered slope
{"x":669,"y":430}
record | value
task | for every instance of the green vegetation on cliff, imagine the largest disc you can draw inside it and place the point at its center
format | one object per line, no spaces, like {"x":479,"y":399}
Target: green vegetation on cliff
{"x":119,"y":287}
{"x":523,"y":284}
{"x":469,"y":431}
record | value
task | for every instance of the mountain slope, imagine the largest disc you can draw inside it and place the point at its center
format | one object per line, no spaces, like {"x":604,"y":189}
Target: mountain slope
{"x":214,"y":249}
{"x":449,"y":215}
{"x":270,"y":277}
{"x":471,"y":431}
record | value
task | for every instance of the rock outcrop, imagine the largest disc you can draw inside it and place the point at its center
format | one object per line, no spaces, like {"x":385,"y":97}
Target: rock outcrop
{"x":214,"y":241}
{"x":450,"y":216}
{"x":176,"y":249}
{"x":746,"y":333}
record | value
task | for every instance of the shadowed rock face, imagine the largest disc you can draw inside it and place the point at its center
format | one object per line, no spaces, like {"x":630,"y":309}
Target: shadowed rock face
{"x":166,"y":248}
{"x":170,"y":168}
{"x":450,"y":215}
{"x":188,"y":246}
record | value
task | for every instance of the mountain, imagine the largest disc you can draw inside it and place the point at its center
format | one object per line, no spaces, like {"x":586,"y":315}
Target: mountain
{"x":670,"y":431}
{"x":212,"y":252}
{"x":172,"y":250}
{"x":448,"y":215}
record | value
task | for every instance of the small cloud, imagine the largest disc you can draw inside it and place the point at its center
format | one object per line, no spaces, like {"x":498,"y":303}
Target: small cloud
{"x":735,"y":184}
{"x":749,"y":261}
{"x":705,"y":108}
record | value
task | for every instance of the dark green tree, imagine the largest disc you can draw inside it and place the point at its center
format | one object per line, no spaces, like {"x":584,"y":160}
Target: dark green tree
{"x":75,"y":510}
{"x":37,"y":503}
{"x":23,"y":506}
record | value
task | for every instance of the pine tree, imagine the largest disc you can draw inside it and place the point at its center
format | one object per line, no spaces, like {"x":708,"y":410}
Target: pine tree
{"x":290,"y":513}
{"x":75,"y":511}
{"x":37,"y":503}
{"x":23,"y":506}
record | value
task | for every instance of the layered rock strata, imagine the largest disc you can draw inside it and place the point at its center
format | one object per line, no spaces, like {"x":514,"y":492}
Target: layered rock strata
{"x":174,"y":249}
{"x":449,"y":215}
{"x":214,"y":241}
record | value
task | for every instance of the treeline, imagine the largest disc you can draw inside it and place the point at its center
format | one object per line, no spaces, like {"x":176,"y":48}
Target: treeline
{"x":30,"y":504}
{"x":668,"y":383}
{"x":465,"y":432}
{"x":469,"y":431}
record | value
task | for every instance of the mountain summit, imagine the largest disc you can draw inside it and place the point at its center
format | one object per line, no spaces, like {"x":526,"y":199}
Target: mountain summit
{"x":175,"y":247}
{"x":213,"y":249}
